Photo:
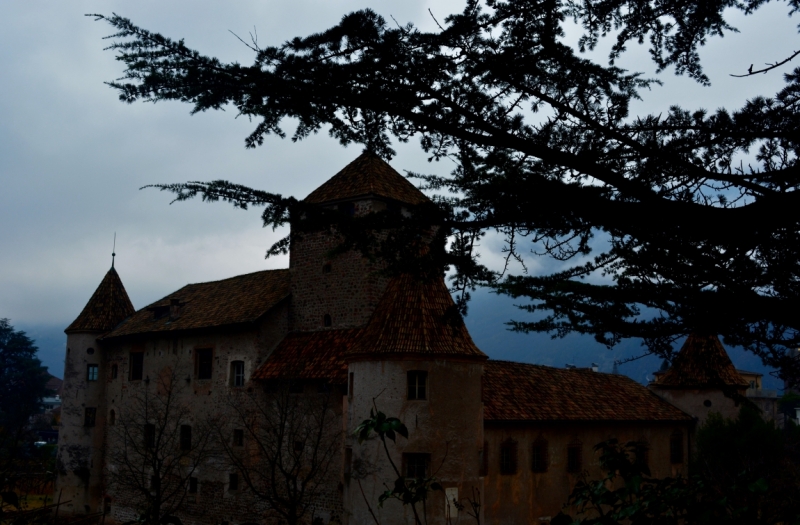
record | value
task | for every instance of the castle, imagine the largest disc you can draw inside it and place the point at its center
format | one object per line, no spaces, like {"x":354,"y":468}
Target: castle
{"x":512,"y":437}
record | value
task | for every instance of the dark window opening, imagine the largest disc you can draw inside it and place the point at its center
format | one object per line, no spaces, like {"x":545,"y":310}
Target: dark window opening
{"x":238,"y":437}
{"x":485,"y":459}
{"x":90,"y":351}
{"x":539,"y":456}
{"x":149,"y":435}
{"x":326,"y":268}
{"x":298,"y":446}
{"x":137,"y":365}
{"x":92,"y":372}
{"x":204,"y":358}
{"x":192,"y":485}
{"x":326,"y":320}
{"x":114,"y":371}
{"x":233,"y":482}
{"x":237,"y":373}
{"x":89,"y":417}
{"x":707,"y":402}
{"x":676,"y":447}
{"x":295,"y":387}
{"x":348,"y":461}
{"x":153,"y":482}
{"x":417,"y":384}
{"x":416,"y":465}
{"x":508,"y":457}
{"x":574,"y":458}
{"x":186,"y":437}
{"x":348,"y":208}
{"x":641,"y":453}
{"x":112,"y":418}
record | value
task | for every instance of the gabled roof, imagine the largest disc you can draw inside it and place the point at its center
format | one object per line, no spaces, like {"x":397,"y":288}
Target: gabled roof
{"x":518,"y":392}
{"x":238,"y":300}
{"x":701,"y":362}
{"x":368,"y":175}
{"x":310,"y":355}
{"x":415,"y":317}
{"x":108,"y":306}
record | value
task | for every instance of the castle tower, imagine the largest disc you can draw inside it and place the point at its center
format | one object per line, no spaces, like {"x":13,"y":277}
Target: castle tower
{"x":83,"y":411}
{"x":416,"y":361}
{"x":341,"y":292}
{"x":702,"y":379}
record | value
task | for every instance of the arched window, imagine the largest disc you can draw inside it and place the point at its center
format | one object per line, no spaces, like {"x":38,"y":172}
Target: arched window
{"x":508,"y":457}
{"x":112,"y":418}
{"x":326,"y":320}
{"x":539,"y":455}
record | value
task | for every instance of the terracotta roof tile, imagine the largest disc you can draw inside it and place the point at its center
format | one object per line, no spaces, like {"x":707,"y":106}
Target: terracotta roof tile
{"x":416,"y":317}
{"x":240,"y":299}
{"x":310,"y":355}
{"x":108,"y":306}
{"x":701,"y":362}
{"x":523,"y":392}
{"x":367,"y":175}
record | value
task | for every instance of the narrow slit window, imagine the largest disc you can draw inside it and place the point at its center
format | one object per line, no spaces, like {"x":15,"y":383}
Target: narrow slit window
{"x":114,"y":371}
{"x":137,"y":366}
{"x":192,"y":485}
{"x":92,"y":372}
{"x":417,"y":384}
{"x":326,"y":320}
{"x":186,"y":437}
{"x":233,"y":482}
{"x":149,"y":435}
{"x":676,"y":447}
{"x":237,"y":373}
{"x":238,"y":437}
{"x":112,"y":418}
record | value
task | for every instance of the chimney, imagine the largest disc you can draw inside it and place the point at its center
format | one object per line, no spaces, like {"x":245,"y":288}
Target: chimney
{"x":595,"y":367}
{"x":174,"y":309}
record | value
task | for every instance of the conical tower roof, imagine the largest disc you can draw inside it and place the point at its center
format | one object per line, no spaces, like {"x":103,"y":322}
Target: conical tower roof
{"x":108,"y":306}
{"x":368,"y":175}
{"x":702,"y":362}
{"x":415,"y":317}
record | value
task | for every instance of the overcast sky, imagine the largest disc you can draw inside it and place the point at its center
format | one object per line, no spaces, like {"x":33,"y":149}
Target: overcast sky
{"x":72,"y":157}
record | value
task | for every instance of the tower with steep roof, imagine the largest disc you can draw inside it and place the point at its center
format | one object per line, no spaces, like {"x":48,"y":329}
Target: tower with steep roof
{"x":342,"y":291}
{"x":702,"y":379}
{"x":83,"y":410}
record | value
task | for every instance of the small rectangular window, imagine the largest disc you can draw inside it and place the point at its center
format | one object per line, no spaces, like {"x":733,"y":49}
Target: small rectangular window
{"x":238,"y":437}
{"x":417,"y":384}
{"x":204,"y":358}
{"x":574,"y":458}
{"x":114,"y":371}
{"x":233,"y":482}
{"x":539,"y":457}
{"x":192,"y":485}
{"x":92,"y":372}
{"x":137,"y":366}
{"x":416,"y":465}
{"x":89,"y":416}
{"x":149,"y":435}
{"x":508,"y":457}
{"x":348,"y":461}
{"x":186,"y":437}
{"x":676,"y":447}
{"x":237,"y":373}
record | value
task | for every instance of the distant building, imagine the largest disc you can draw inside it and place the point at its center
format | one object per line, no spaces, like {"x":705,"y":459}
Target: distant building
{"x":516,"y":436}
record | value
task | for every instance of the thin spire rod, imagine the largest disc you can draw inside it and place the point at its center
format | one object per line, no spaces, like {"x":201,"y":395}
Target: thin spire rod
{"x":114,"y":250}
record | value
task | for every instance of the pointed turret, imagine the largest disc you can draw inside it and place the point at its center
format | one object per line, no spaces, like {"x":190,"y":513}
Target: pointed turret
{"x":702,"y":362}
{"x":367,"y":176}
{"x":108,"y":306}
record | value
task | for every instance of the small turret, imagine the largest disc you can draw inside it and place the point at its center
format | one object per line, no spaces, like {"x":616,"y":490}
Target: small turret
{"x":83,"y":412}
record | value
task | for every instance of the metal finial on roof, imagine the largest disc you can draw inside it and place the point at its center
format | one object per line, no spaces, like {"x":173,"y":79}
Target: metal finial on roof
{"x":114,"y":250}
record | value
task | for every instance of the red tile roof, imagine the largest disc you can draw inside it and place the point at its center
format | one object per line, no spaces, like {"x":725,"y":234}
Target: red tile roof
{"x":238,"y":300}
{"x":701,"y":362}
{"x":523,"y":392}
{"x":310,"y":355}
{"x":108,"y":306}
{"x":415,"y":317}
{"x":367,"y":175}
